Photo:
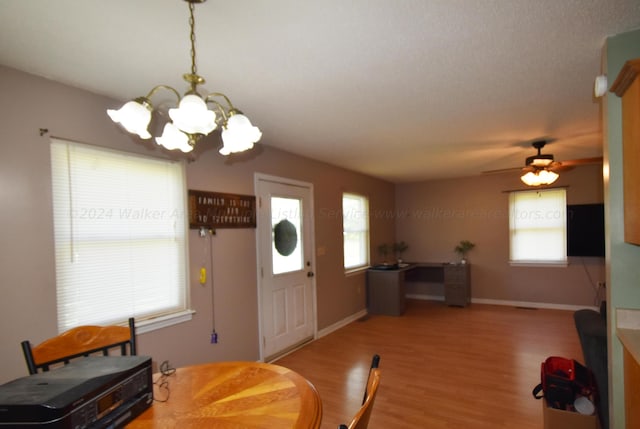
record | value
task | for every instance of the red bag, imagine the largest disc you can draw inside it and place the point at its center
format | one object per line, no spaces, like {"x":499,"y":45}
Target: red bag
{"x":562,"y":379}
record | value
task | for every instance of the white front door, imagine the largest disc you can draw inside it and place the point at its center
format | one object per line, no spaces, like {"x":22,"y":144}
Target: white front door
{"x":285,"y":264}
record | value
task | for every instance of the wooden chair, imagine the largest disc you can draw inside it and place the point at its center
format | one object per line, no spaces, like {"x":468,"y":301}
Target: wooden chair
{"x":361,"y":419}
{"x":79,"y":342}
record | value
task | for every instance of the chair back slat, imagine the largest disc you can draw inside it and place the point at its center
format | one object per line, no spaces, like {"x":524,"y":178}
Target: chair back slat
{"x":78,"y":342}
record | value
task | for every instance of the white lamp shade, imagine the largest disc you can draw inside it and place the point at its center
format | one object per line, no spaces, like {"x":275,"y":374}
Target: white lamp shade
{"x":134,"y":117}
{"x":548,"y":177}
{"x":239,"y":135}
{"x":540,"y":177}
{"x":172,"y":138}
{"x":192,"y":116}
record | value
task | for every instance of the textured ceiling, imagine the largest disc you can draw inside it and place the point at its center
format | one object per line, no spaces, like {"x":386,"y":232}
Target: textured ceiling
{"x":404,"y":90}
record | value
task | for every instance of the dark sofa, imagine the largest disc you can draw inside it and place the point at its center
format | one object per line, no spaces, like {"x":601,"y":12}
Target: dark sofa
{"x":592,"y":331}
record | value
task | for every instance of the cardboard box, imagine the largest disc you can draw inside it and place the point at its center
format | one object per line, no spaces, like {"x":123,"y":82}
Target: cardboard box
{"x":560,"y":419}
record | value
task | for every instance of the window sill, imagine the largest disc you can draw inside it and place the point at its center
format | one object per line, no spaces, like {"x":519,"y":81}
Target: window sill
{"x":354,"y":271}
{"x":539,"y":264}
{"x":160,"y":322}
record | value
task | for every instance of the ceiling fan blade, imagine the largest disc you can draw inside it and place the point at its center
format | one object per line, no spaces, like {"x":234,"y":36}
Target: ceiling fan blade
{"x":502,"y":170}
{"x":572,"y":163}
{"x":552,"y":166}
{"x":561,"y":167}
{"x":583,"y":161}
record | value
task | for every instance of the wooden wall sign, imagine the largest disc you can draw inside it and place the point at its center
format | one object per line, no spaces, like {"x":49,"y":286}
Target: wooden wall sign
{"x":217,"y":210}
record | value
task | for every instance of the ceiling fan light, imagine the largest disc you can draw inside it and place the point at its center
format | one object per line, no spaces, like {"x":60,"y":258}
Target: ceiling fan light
{"x":192,"y":116}
{"x":530,"y":179}
{"x":172,"y":138}
{"x":548,"y":176}
{"x":239,"y":135}
{"x":539,"y":177}
{"x":539,"y":160}
{"x":134,"y":117}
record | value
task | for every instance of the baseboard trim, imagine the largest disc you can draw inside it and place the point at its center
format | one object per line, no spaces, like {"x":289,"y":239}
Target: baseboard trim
{"x":523,"y":304}
{"x":342,"y":323}
{"x":288,"y":351}
{"x":425,"y":297}
{"x":526,"y":304}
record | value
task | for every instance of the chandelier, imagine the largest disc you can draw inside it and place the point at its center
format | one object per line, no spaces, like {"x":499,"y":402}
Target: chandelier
{"x":192,"y":119}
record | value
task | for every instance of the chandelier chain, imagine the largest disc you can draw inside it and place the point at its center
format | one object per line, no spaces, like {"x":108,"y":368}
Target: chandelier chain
{"x":192,"y":24}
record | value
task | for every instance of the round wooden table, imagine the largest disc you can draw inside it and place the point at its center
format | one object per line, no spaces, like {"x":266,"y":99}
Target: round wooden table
{"x":232,"y":395}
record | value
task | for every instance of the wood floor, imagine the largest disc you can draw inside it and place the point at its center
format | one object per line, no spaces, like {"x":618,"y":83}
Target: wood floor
{"x":442,"y":367}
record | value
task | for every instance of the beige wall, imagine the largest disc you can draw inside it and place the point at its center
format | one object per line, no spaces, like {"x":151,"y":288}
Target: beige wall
{"x":27,"y":307}
{"x":27,"y":270}
{"x":435,"y":216}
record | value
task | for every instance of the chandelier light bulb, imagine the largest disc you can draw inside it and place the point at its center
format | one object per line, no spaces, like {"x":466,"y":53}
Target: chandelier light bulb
{"x":172,"y":138}
{"x":134,"y":117}
{"x":192,"y":116}
{"x":239,"y":134}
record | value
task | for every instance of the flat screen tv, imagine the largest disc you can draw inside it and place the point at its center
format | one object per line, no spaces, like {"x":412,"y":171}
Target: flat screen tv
{"x":585,"y":230}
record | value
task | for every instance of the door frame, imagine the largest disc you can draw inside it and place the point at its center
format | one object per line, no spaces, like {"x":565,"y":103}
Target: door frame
{"x":258,"y":177}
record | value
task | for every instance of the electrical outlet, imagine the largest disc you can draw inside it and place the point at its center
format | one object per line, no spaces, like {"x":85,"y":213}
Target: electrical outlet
{"x":602,"y":285}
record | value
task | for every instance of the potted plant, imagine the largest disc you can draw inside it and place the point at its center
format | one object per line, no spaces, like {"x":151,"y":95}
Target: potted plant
{"x":463,"y":248}
{"x":399,"y":248}
{"x":383,"y":249}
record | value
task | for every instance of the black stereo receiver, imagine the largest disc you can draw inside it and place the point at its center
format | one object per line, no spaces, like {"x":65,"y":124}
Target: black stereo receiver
{"x":92,"y":392}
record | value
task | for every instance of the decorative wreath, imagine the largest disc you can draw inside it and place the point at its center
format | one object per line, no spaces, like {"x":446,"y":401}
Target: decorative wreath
{"x":285,"y":237}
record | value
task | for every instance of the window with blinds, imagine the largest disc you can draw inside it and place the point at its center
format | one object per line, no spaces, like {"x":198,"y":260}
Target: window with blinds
{"x":538,"y":226}
{"x":120,"y":235}
{"x":355,"y":224}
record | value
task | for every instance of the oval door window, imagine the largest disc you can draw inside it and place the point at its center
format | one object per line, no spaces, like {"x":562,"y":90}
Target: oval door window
{"x":285,"y":237}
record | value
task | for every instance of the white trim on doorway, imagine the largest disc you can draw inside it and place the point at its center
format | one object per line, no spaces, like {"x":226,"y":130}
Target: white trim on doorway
{"x":258,"y":177}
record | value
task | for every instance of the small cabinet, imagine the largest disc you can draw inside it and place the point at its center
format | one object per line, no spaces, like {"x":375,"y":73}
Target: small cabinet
{"x":457,"y":284}
{"x":385,"y":292}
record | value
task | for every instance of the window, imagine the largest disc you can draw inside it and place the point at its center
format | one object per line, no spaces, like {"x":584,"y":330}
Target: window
{"x":286,"y":240}
{"x":355,"y":227}
{"x":537,"y":223}
{"x":120,"y":236}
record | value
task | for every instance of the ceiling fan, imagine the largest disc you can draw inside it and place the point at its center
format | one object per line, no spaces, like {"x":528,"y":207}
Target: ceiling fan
{"x":543,"y":169}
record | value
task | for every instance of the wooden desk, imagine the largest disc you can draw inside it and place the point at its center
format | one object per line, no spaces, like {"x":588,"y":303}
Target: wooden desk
{"x":233,"y":395}
{"x":386,"y":287}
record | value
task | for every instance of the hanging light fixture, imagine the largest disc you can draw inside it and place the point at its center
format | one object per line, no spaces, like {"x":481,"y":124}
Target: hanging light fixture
{"x":539,"y":167}
{"x":192,"y":119}
{"x":539,"y":177}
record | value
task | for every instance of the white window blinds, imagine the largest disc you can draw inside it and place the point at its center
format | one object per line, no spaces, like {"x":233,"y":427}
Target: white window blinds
{"x":120,"y":235}
{"x":537,"y":222}
{"x":355,"y":224}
